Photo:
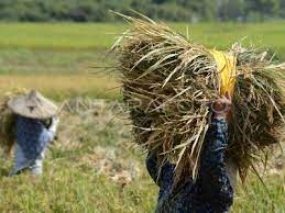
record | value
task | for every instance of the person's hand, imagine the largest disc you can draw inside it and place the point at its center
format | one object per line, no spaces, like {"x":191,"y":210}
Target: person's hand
{"x":54,"y":124}
{"x":55,"y":120}
{"x":222,"y":106}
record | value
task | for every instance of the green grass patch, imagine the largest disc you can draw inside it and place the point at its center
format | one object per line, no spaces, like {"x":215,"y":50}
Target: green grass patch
{"x":31,"y":62}
{"x":58,"y":36}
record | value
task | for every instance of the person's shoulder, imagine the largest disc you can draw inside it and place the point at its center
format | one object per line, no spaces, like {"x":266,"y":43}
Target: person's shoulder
{"x":29,"y":122}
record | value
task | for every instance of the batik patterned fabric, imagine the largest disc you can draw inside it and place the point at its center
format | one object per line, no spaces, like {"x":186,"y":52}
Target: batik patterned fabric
{"x":212,"y":191}
{"x":32,"y":137}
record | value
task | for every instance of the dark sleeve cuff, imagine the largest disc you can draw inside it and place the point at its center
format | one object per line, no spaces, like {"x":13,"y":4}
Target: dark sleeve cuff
{"x":219,"y":121}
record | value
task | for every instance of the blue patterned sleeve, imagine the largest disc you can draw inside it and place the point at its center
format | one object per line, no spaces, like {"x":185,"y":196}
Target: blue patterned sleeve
{"x":161,"y":174}
{"x":213,"y":181}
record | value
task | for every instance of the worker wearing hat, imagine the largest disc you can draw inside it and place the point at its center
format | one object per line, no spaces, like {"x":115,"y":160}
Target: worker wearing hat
{"x":36,"y":126}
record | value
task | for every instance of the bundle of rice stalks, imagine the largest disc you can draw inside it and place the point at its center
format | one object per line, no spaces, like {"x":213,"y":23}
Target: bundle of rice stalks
{"x":170,"y":82}
{"x":7,"y":123}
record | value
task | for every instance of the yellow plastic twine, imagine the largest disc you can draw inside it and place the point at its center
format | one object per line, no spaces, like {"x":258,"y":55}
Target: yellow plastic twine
{"x":226,"y":65}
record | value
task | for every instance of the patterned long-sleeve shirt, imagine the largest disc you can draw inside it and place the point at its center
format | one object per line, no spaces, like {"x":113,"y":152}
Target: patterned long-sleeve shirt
{"x":212,"y":191}
{"x":32,"y":137}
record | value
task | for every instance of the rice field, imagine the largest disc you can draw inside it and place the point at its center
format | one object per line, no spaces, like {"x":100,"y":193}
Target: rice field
{"x":93,"y":167}
{"x":59,"y":49}
{"x":97,"y":36}
{"x":63,"y":86}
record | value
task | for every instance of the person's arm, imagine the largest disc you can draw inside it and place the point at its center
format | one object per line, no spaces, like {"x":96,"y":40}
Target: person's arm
{"x":213,"y":178}
{"x":50,"y":132}
{"x":159,"y":172}
{"x":213,"y":181}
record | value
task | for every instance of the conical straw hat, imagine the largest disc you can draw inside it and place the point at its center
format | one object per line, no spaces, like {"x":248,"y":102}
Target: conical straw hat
{"x":33,"y":105}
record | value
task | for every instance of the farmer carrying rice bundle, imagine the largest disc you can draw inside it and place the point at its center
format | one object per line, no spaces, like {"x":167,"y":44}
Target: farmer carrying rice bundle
{"x":33,"y":124}
{"x":202,"y":114}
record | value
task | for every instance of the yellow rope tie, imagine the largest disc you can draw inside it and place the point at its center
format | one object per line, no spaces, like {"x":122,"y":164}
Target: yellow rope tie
{"x":226,"y":65}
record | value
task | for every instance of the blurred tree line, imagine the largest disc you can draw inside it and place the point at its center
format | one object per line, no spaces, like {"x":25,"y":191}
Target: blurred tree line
{"x":170,"y":10}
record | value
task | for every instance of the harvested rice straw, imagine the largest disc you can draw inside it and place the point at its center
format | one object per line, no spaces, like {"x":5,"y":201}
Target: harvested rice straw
{"x":169,"y":83}
{"x":7,"y":123}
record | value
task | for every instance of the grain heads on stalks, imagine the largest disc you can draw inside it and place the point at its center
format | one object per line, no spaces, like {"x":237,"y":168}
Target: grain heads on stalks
{"x":169,"y":83}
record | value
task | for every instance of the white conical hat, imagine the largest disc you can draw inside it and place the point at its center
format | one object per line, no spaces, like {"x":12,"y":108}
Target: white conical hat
{"x":33,"y":105}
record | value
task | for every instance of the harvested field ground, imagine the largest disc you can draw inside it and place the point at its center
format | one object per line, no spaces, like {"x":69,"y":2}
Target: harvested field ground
{"x":93,"y":167}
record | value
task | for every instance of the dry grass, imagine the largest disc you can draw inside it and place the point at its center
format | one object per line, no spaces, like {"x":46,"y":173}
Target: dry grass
{"x":61,"y":87}
{"x":170,"y":82}
{"x":91,"y":168}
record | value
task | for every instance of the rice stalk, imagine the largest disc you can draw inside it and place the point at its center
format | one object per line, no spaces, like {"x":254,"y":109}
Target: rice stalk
{"x":169,"y":83}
